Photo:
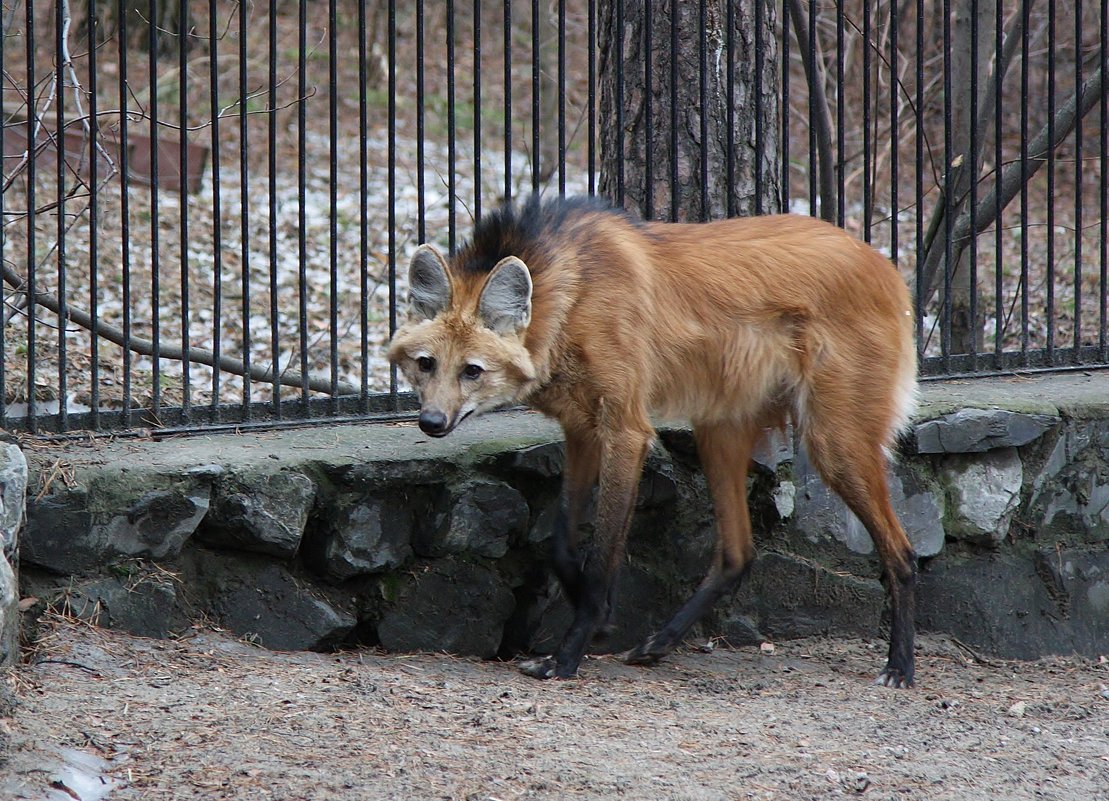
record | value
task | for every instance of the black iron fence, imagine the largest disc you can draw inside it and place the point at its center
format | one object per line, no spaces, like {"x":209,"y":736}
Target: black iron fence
{"x":208,"y":207}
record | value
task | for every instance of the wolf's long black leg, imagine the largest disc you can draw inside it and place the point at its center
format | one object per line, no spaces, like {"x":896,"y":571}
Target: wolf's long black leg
{"x":578,"y":479}
{"x":854,"y":465}
{"x":715,"y":586}
{"x":622,"y":454}
{"x":725,"y":450}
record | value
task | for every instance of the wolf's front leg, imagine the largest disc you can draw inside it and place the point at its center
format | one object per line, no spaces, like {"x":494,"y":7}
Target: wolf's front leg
{"x":589,"y":586}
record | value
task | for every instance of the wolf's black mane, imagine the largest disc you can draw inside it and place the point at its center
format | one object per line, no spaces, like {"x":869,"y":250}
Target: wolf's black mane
{"x":520,"y":229}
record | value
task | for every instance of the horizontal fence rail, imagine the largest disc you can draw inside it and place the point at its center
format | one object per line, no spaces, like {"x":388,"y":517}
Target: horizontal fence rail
{"x":208,"y":207}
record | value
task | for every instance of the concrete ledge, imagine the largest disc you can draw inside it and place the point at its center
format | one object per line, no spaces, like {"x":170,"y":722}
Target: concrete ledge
{"x":314,"y":537}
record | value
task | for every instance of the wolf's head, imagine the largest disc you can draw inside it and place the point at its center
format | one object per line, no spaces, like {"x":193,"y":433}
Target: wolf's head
{"x":462,"y":348}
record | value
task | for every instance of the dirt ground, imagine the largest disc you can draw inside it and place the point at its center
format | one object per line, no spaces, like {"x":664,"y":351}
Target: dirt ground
{"x":103,"y":715}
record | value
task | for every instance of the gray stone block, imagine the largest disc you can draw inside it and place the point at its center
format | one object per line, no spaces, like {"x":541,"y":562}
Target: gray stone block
{"x":9,"y":615}
{"x":59,"y":534}
{"x":786,"y":596}
{"x":260,"y":511}
{"x":144,"y":605}
{"x":483,"y":516}
{"x":260,"y":600}
{"x":543,"y":461}
{"x":65,"y":536}
{"x":997,"y":604}
{"x":156,"y":526}
{"x":1070,"y":495}
{"x":985,"y":492}
{"x":820,"y":514}
{"x":366,"y":535}
{"x":13,"y":494}
{"x":977,"y":430}
{"x":1078,"y":579}
{"x":449,"y":606}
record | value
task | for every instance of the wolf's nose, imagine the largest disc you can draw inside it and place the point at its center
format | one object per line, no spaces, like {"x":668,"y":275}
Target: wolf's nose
{"x":433,"y":422}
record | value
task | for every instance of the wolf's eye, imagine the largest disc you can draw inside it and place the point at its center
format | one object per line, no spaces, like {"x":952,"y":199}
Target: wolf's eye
{"x":426,"y":364}
{"x":472,"y":371}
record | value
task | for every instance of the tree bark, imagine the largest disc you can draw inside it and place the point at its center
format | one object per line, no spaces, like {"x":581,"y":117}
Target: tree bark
{"x":966,"y":332}
{"x":683,"y":172}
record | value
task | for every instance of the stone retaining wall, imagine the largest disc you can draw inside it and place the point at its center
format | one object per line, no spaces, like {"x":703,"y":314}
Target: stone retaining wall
{"x":344,"y":535}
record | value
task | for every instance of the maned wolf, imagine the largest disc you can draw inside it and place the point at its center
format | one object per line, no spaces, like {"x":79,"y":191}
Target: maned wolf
{"x":600,"y":320}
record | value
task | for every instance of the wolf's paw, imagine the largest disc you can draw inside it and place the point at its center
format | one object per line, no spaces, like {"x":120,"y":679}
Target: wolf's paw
{"x":541,"y":668}
{"x":894,"y":677}
{"x":644,"y":654}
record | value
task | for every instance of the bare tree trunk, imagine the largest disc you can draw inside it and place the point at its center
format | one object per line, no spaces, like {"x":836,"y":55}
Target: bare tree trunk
{"x":693,"y":170}
{"x":548,"y":94}
{"x":966,"y":333}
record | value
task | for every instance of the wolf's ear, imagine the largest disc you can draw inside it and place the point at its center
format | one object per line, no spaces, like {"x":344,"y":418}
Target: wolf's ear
{"x":505,"y":304}
{"x":429,"y":285}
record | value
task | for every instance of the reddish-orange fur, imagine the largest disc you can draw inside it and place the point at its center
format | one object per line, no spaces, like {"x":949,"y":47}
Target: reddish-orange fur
{"x":734,"y":325}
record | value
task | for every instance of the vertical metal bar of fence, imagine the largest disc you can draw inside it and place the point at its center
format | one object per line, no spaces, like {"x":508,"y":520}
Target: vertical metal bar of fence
{"x":760,"y":110}
{"x":302,"y":191}
{"x":536,"y":167}
{"x":648,"y":122}
{"x":730,"y":91}
{"x":619,"y":123}
{"x":703,"y":100}
{"x":786,"y":28}
{"x":452,"y":144}
{"x":1103,"y":286}
{"x":244,"y":210}
{"x":275,"y":312}
{"x":841,"y":109}
{"x":32,"y":178}
{"x":895,"y":132}
{"x":363,"y":214}
{"x":813,"y":165}
{"x":217,"y":209}
{"x":183,"y":201}
{"x":60,"y":47}
{"x":918,"y":187}
{"x":477,"y":110}
{"x":971,"y":166}
{"x":1026,"y":9}
{"x":125,"y":209}
{"x":508,"y":99}
{"x":29,"y":287}
{"x":868,"y":180}
{"x":948,"y":191}
{"x":155,"y":261}
{"x":4,"y":228}
{"x":421,"y":205}
{"x":562,"y":98}
{"x":1050,"y":200}
{"x":674,"y":45}
{"x":333,"y":204}
{"x":93,"y":23}
{"x":813,"y":157}
{"x":729,"y":84}
{"x":393,"y":397}
{"x":591,"y":96}
{"x":999,"y":258}
{"x":1079,"y":182}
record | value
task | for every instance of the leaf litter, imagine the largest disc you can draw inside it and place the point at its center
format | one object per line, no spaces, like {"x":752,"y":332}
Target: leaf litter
{"x":208,"y":716}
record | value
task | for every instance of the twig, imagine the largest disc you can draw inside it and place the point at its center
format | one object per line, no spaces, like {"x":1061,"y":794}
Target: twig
{"x":145,"y":347}
{"x":67,"y":663}
{"x":986,"y":212}
{"x":822,"y":116}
